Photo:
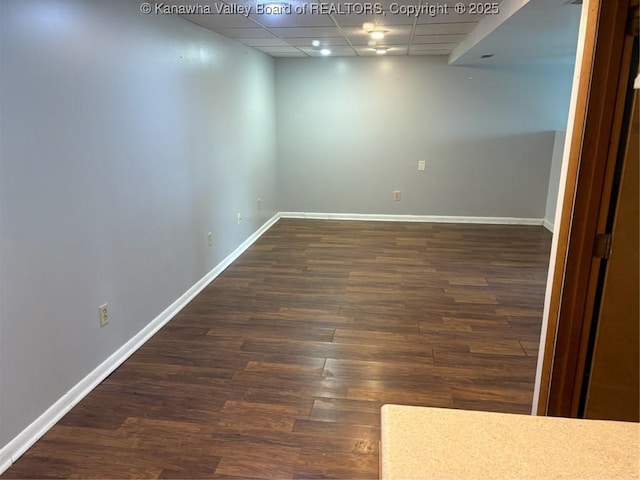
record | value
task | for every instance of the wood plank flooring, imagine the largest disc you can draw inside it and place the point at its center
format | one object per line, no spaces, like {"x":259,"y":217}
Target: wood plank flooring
{"x":279,"y":368}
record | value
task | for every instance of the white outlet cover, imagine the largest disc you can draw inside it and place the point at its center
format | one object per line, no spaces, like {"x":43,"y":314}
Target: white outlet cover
{"x":103,"y":314}
{"x":422,"y":164}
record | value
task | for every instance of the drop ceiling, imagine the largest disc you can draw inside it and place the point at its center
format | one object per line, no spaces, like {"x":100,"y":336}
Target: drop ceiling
{"x":438,"y":30}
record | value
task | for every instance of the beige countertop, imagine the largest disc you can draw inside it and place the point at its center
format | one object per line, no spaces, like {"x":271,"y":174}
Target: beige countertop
{"x":438,"y":443}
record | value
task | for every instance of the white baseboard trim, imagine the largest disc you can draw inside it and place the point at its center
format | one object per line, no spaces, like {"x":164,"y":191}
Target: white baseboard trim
{"x":30,"y":435}
{"x":547,"y":224}
{"x":413,"y":218}
{"x":5,"y":463}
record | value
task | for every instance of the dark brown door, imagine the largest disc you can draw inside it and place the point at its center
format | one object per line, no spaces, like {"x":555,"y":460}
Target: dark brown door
{"x":582,"y":358}
{"x":612,"y":390}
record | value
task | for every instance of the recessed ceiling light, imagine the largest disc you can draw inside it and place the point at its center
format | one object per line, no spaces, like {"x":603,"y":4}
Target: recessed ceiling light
{"x":381,"y":51}
{"x":315,"y":43}
{"x":325,"y":52}
{"x":274,"y":7}
{"x":377,"y":34}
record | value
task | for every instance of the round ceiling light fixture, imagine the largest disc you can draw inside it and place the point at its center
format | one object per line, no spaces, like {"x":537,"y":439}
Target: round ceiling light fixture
{"x":375,"y":31}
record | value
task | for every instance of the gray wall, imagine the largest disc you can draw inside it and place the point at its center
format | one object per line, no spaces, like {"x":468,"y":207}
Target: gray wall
{"x":352,"y":130}
{"x":554,"y":178}
{"x":124,"y":140}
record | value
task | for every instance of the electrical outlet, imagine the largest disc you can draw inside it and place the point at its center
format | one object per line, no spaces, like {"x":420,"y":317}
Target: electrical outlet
{"x":396,"y":196}
{"x":259,"y":204}
{"x":210,"y":239}
{"x":422,"y":165}
{"x":239,"y":218}
{"x":104,"y":314}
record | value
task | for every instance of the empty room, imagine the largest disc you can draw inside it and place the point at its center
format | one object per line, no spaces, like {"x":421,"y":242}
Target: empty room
{"x":315,"y":240}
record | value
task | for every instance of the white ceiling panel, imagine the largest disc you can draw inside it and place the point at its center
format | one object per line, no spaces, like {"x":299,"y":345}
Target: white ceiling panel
{"x":327,"y":41}
{"x":388,"y":4}
{"x":370,"y":52}
{"x":288,"y":55}
{"x":388,"y":40}
{"x":431,"y":31}
{"x":215,"y":21}
{"x":245,"y":33}
{"x":335,"y":51}
{"x":391,"y":30}
{"x":310,"y":32}
{"x":397,"y":51}
{"x":264,"y":42}
{"x":293,"y":20}
{"x":453,"y":18}
{"x":345,"y":20}
{"x":271,"y":50}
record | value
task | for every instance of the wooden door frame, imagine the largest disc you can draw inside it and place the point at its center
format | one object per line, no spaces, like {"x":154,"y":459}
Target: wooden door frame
{"x":590,"y":151}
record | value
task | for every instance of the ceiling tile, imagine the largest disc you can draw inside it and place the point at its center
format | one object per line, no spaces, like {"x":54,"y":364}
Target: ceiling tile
{"x":397,"y":51}
{"x":365,"y":52}
{"x":353,"y":20}
{"x":370,"y":52}
{"x":388,"y":40}
{"x":398,"y":19}
{"x":452,"y":17}
{"x":335,"y":51}
{"x":391,"y":30}
{"x":271,"y":50}
{"x":293,"y":20}
{"x":245,"y":33}
{"x":216,"y":21}
{"x":288,"y":55}
{"x":345,"y":20}
{"x":308,"y":32}
{"x":264,"y":42}
{"x":431,"y":33}
{"x":324,"y":42}
{"x":386,"y":4}
{"x":427,"y":12}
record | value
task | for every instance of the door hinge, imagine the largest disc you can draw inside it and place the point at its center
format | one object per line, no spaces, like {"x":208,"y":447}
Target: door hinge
{"x":602,"y":245}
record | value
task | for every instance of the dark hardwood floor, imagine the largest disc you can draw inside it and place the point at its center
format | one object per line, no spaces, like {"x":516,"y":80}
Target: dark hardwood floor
{"x":279,"y":368}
